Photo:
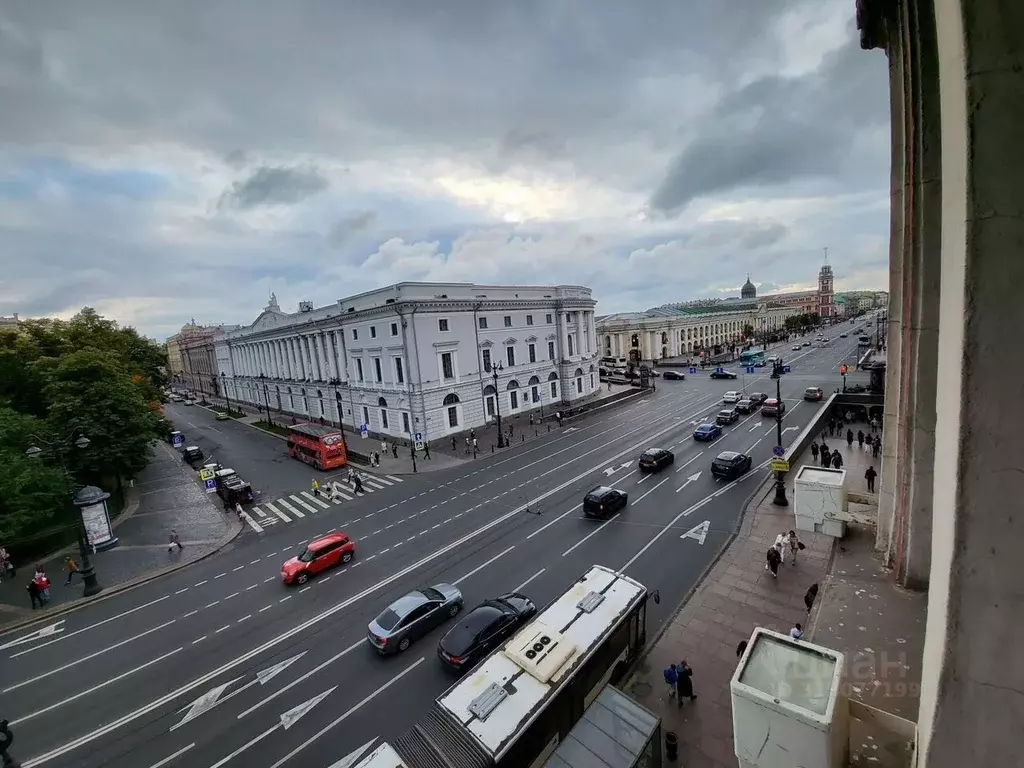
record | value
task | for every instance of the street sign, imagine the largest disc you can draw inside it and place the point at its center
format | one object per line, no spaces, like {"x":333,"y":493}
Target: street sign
{"x":206,"y":473}
{"x":210,"y":485}
{"x":842,"y":370}
{"x":692,"y":370}
{"x":778,"y":450}
{"x":419,"y":445}
{"x":364,"y":430}
{"x":780,"y":465}
{"x":786,"y":368}
{"x":419,"y":437}
{"x":750,"y":369}
{"x":177,"y":439}
{"x":719,"y":369}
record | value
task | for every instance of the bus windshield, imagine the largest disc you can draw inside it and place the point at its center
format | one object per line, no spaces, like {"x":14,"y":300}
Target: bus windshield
{"x":751,"y":356}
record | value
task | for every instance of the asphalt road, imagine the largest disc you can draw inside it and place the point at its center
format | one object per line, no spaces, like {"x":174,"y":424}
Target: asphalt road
{"x":214,"y":665}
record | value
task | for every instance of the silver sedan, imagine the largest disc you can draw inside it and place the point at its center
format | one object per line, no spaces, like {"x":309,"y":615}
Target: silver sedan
{"x":412,"y":616}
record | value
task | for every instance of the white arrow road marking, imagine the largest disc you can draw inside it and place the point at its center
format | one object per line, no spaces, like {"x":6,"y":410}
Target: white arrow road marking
{"x":39,"y":634}
{"x":572,"y":429}
{"x":287,"y":720}
{"x":754,"y":428}
{"x":698,"y":532}
{"x":353,"y":757}
{"x":610,"y":470}
{"x":344,"y":716}
{"x":691,"y":479}
{"x":790,"y":429}
{"x":212,"y":699}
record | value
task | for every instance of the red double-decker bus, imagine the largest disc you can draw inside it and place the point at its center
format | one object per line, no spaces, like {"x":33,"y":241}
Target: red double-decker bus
{"x":321,"y":446}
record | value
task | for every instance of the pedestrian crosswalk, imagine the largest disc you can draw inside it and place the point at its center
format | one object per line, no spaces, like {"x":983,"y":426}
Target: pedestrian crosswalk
{"x":298,"y":505}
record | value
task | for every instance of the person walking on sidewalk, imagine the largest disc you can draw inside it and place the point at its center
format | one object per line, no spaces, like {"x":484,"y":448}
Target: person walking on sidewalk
{"x":870,"y":476}
{"x":876,"y":447}
{"x":684,"y":682}
{"x":796,"y":632}
{"x":810,"y":596}
{"x":394,"y":450}
{"x":34,"y":594}
{"x":814,"y":450}
{"x":772,"y":560}
{"x":71,"y":567}
{"x":826,"y":456}
{"x":173,"y":541}
{"x":837,"y":460}
{"x":860,"y":439}
{"x":795,"y":545}
{"x":671,"y":679}
{"x":849,"y":438}
{"x":781,"y":545}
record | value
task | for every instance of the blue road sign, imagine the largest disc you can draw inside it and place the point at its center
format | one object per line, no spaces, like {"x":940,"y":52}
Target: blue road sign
{"x":177,"y":440}
{"x":719,"y":370}
{"x":778,"y":450}
{"x":692,"y":370}
{"x":210,"y":485}
{"x":364,"y":430}
{"x":750,"y":369}
{"x":419,"y":437}
{"x":786,"y":369}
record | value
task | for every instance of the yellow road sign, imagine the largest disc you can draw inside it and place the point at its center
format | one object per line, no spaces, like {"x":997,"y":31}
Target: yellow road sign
{"x":205,"y":474}
{"x":780,"y":465}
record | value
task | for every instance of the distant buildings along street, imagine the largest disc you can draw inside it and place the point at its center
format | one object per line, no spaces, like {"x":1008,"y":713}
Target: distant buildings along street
{"x":413,"y":358}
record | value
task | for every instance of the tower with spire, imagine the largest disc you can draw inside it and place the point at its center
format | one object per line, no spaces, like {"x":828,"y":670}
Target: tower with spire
{"x":826,"y":290}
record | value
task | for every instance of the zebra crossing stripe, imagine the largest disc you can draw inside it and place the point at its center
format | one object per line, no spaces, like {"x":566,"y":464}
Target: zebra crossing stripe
{"x":343,"y":495}
{"x":379,"y":479}
{"x":290,"y":508}
{"x":278,"y":512}
{"x":396,"y":479}
{"x":252,"y":523}
{"x":315,"y":499}
{"x":304,"y":505}
{"x":259,"y":511}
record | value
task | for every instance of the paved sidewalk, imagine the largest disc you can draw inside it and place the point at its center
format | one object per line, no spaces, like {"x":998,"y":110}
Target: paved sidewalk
{"x":165,"y":496}
{"x":736,"y":596}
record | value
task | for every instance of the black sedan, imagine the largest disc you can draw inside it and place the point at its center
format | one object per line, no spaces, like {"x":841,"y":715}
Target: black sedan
{"x":673,"y":376}
{"x":757,"y":398}
{"x":728,"y":416}
{"x":654,"y":459}
{"x":746,"y":405}
{"x":603,"y":502}
{"x":729,"y":465}
{"x":484,"y":629}
{"x":412,"y":616}
{"x":723,"y":374}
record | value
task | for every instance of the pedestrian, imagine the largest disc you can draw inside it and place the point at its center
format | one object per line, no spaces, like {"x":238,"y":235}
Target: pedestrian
{"x":238,"y":509}
{"x":34,"y":594}
{"x":874,"y":424}
{"x":510,"y":429}
{"x":454,"y":445}
{"x":814,"y":450}
{"x":173,"y":541}
{"x":796,"y":632}
{"x":476,"y":446}
{"x":358,"y":484}
{"x":316,"y":487}
{"x":468,"y":445}
{"x":860,"y":439}
{"x":426,"y":450}
{"x":810,"y":596}
{"x":741,"y":649}
{"x":42,"y":582}
{"x":684,"y":682}
{"x":826,"y":456}
{"x":558,"y":417}
{"x":849,"y":438}
{"x":351,"y":476}
{"x":671,"y":679}
{"x":849,"y":416}
{"x":781,"y":545}
{"x":71,"y":567}
{"x":795,"y":545}
{"x":772,"y":560}
{"x":384,"y":447}
{"x":876,"y":447}
{"x":837,"y":460}
{"x":870,"y":476}
{"x":394,"y":450}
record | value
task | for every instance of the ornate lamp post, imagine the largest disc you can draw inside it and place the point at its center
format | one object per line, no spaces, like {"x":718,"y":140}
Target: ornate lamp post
{"x":224,"y":389}
{"x":495,"y":370}
{"x":780,"y":499}
{"x":336,"y":382}
{"x":266,"y":397}
{"x":57,"y":448}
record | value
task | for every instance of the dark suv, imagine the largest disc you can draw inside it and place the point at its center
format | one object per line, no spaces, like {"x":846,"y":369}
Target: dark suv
{"x":654,"y":459}
{"x":603,"y":502}
{"x":729,"y":465}
{"x":757,"y":398}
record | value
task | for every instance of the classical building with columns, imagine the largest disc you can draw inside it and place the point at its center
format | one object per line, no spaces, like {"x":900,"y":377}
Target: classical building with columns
{"x":427,"y":359}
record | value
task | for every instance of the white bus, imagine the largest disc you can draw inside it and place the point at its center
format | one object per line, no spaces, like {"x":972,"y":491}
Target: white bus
{"x":515,"y":707}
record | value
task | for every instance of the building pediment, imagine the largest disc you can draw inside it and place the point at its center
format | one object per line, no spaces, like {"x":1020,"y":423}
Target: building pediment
{"x":531,"y":339}
{"x":486,"y":343}
{"x":511,"y":340}
{"x":550,"y":337}
{"x":446,"y":344}
{"x":269,"y":319}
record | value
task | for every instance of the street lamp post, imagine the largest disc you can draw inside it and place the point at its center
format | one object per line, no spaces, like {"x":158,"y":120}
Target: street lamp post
{"x":224,"y":389}
{"x":336,"y":382}
{"x":780,"y":499}
{"x":495,"y":370}
{"x":92,"y":585}
{"x":266,"y":397}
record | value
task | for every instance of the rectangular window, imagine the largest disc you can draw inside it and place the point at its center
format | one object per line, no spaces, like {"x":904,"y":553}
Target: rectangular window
{"x":442,"y":325}
{"x":373,"y":331}
{"x":394,"y":329}
{"x":355,"y":334}
{"x":378,"y":370}
{"x":535,"y":393}
{"x":551,"y":350}
{"x":567,"y":317}
{"x":579,"y":385}
{"x":591,"y":381}
{"x":399,"y":371}
{"x":529,"y":319}
{"x":554,"y":390}
{"x":383,"y":420}
{"x":508,"y":321}
{"x":359,"y":369}
{"x":453,"y":416}
{"x":569,"y":347}
{"x":405,"y":422}
{"x":482,"y":323}
{"x":513,"y":398}
{"x":490,"y":406}
{"x":510,"y":354}
{"x":447,"y":366}
{"x":547,"y":318}
{"x":533,"y":353}
{"x":486,"y":354}
{"x":366,"y":416}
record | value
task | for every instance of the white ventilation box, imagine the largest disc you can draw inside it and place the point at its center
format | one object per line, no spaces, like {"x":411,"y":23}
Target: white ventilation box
{"x":819,"y":500}
{"x":540,"y":651}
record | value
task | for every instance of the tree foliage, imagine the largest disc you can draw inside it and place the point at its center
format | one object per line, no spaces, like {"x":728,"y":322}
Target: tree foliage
{"x":62,"y":379}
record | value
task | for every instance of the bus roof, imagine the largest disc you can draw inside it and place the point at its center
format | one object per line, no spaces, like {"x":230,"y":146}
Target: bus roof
{"x":383,"y":756}
{"x":570,"y":629}
{"x":316,"y":431}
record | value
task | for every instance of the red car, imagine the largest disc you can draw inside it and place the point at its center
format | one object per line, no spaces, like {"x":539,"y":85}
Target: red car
{"x":319,"y":555}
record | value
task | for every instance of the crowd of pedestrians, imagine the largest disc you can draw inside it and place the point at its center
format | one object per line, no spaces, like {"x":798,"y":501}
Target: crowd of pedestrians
{"x":870,"y":441}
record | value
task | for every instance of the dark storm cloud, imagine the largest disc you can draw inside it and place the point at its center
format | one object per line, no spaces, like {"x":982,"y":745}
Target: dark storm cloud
{"x":776,"y":130}
{"x":347,"y":227}
{"x":275,"y":186}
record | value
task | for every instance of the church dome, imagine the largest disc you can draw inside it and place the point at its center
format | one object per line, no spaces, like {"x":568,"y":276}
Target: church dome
{"x":748,"y":291}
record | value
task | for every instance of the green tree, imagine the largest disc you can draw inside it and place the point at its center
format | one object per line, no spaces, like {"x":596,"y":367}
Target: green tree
{"x":92,"y":393}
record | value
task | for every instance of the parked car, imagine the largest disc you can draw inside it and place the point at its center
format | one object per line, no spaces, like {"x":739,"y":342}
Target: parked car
{"x":772,"y":407}
{"x":707,"y":432}
{"x":674,"y":376}
{"x":221,"y":416}
{"x":484,"y":629}
{"x":318,"y":556}
{"x":603,"y":502}
{"x":654,"y":459}
{"x":732,"y":397}
{"x":727,"y":416}
{"x":412,"y":616}
{"x":746,"y":405}
{"x":843,"y":335}
{"x":729,"y":465}
{"x":812,"y":394}
{"x":723,"y":374}
{"x":191,"y":454}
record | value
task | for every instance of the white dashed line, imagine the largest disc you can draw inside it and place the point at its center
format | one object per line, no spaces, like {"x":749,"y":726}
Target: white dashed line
{"x":190,"y":613}
{"x":233,"y":570}
{"x":199,"y":640}
{"x":233,"y":594}
{"x":226,"y":626}
{"x":200,"y":583}
{"x":265,"y":608}
{"x":220,"y":576}
{"x":244,"y":618}
{"x":210,"y":605}
{"x":287,"y":597}
{"x":181,"y":590}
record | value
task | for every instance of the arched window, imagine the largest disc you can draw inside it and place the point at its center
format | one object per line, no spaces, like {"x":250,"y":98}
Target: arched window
{"x":382,"y":403}
{"x":552,"y":376}
{"x":664,"y":338}
{"x":535,"y":380}
{"x":490,"y":390}
{"x":591,"y":367}
{"x":512,"y":385}
{"x":579,"y":381}
{"x":490,"y":398}
{"x":579,"y":372}
{"x":451,"y":399}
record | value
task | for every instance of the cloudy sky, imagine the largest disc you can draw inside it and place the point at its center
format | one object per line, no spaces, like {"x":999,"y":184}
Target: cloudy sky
{"x":160,"y":161}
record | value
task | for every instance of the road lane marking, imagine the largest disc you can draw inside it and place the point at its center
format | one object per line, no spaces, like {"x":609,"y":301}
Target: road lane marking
{"x":181,"y":591}
{"x":200,"y":583}
{"x":484,"y":565}
{"x":290,"y":508}
{"x":233,"y":594}
{"x":592,"y":533}
{"x":93,"y":655}
{"x":252,"y":523}
{"x":548,"y":525}
{"x":171,"y":758}
{"x":523,"y":585}
{"x":265,"y":608}
{"x":234,"y":570}
{"x":279,"y":513}
{"x":219,"y":576}
{"x":199,"y":640}
{"x":190,"y":613}
{"x":684,"y":466}
{"x":95,"y":688}
{"x":316,"y":500}
{"x":210,"y":605}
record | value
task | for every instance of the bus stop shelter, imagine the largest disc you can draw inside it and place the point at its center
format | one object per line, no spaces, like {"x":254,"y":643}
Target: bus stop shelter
{"x":614,"y":732}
